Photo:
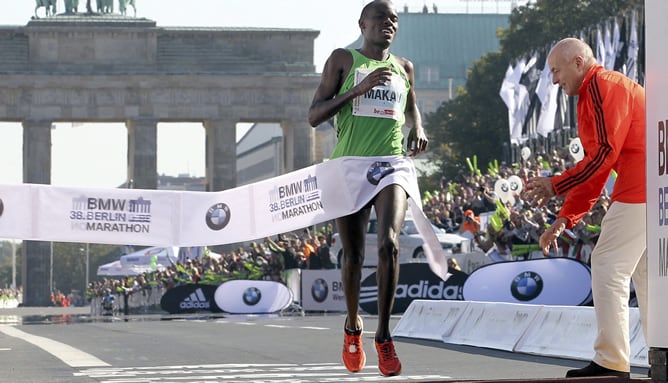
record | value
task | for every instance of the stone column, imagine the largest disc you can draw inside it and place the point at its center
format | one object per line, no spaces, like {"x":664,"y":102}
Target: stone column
{"x":299,"y":145}
{"x":36,"y":170}
{"x":142,"y":153}
{"x":221,"y":154}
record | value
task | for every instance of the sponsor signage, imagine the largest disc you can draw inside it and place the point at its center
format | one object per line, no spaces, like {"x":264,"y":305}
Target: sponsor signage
{"x":416,"y":281}
{"x":322,"y":290}
{"x":218,"y":216}
{"x":547,"y":281}
{"x":14,"y":220}
{"x":189,"y":299}
{"x":184,"y":218}
{"x":656,"y":56}
{"x":252,"y":297}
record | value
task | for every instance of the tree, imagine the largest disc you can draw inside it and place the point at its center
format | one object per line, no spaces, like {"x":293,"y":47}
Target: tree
{"x":69,"y":263}
{"x":476,"y":121}
{"x":6,"y":263}
{"x":469,"y":125}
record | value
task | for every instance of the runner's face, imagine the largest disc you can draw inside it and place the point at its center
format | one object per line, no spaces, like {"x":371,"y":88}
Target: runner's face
{"x":381,"y":23}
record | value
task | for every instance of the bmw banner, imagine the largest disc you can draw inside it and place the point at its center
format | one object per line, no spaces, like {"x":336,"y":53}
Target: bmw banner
{"x":189,"y":299}
{"x":14,"y":222}
{"x":416,"y":281}
{"x":547,"y":281}
{"x":656,"y":55}
{"x":252,"y":297}
{"x":284,"y":203}
{"x":115,"y":216}
{"x":322,"y":290}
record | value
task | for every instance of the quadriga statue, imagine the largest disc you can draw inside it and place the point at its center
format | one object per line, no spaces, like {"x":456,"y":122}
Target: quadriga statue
{"x":71,"y":6}
{"x":122,"y":6}
{"x":105,"y":6}
{"x":49,"y":5}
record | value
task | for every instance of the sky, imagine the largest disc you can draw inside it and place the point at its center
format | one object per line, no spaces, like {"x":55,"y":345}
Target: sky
{"x":94,"y":155}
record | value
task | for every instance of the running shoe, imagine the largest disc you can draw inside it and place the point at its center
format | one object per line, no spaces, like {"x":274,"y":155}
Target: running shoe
{"x":353,"y":354}
{"x":388,"y":362}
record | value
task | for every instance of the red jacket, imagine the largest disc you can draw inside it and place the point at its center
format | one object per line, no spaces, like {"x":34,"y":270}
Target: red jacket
{"x":611,"y":126}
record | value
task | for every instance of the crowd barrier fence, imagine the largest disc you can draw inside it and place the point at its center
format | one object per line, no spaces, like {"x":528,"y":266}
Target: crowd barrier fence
{"x":556,"y":331}
{"x":139,"y":302}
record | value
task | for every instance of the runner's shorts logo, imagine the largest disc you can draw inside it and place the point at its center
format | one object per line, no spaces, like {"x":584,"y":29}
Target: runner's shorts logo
{"x":526,"y":286}
{"x":377,"y":171}
{"x":252,"y":296}
{"x":319,"y":290}
{"x":218,"y":216}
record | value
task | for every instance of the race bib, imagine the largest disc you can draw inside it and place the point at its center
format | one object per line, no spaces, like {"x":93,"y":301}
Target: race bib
{"x":381,"y":101}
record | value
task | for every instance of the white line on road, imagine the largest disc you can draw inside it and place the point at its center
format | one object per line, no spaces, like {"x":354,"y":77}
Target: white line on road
{"x":5,"y":349}
{"x":68,"y":354}
{"x":240,"y":372}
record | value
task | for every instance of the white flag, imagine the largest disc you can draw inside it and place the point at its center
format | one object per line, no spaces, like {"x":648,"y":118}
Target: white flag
{"x":510,"y":93}
{"x":547,"y":94}
{"x":631,"y":70}
{"x":600,"y":46}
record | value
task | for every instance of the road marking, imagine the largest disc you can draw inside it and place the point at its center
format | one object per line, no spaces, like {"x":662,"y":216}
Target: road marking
{"x":223,"y":321}
{"x":10,"y":319}
{"x":240,"y":372}
{"x":5,"y":349}
{"x":68,"y":354}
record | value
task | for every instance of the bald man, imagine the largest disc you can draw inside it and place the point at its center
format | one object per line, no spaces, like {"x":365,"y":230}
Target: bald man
{"x":611,"y":126}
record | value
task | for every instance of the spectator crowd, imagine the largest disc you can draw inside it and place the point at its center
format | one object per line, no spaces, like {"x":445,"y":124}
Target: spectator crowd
{"x":265,"y":260}
{"x":10,"y":297}
{"x":512,"y":228}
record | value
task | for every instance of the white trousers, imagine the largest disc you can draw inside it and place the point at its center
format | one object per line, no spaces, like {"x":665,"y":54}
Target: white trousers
{"x":618,"y":257}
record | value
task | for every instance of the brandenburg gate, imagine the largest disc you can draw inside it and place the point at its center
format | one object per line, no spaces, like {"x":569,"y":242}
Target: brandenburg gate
{"x":111,"y":68}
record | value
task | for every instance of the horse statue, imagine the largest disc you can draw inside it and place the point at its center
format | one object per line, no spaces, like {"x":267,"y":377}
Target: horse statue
{"x":122,"y":6}
{"x":105,"y":6}
{"x":71,"y":6}
{"x":49,"y":5}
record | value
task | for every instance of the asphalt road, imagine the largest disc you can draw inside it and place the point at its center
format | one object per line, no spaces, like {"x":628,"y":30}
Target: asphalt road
{"x":74,"y":348}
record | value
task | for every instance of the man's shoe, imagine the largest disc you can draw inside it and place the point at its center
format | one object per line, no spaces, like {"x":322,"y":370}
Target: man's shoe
{"x":594,"y":369}
{"x":353,"y":354}
{"x":388,"y":362}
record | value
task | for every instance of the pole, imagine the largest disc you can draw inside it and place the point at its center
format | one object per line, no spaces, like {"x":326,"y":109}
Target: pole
{"x":51,"y":267}
{"x":87,"y":265}
{"x":13,"y":264}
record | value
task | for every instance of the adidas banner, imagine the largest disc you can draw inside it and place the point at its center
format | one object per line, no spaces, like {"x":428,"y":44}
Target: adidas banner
{"x":252,"y":297}
{"x":288,"y":202}
{"x":547,"y":281}
{"x":190,"y":299}
{"x":416,"y":281}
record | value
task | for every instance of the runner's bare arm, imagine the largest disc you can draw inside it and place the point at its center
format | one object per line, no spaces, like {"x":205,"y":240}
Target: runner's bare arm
{"x":417,"y":139}
{"x":326,"y":103}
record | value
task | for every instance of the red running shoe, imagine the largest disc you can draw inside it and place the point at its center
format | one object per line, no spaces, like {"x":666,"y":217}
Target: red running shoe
{"x":353,"y":354}
{"x":388,"y":362}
